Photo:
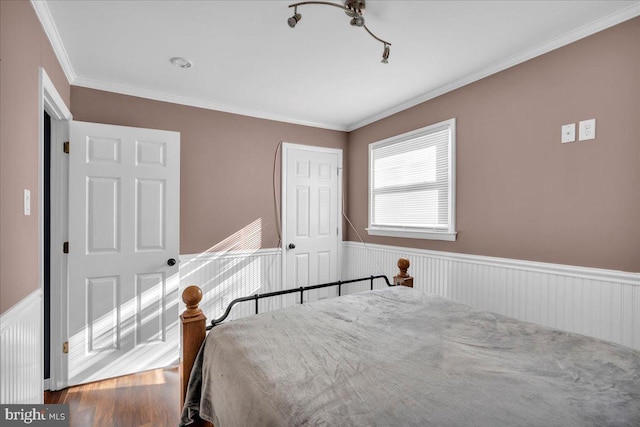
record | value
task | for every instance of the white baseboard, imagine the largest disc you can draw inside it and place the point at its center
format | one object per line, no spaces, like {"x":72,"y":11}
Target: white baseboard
{"x":21,"y":359}
{"x":595,"y":302}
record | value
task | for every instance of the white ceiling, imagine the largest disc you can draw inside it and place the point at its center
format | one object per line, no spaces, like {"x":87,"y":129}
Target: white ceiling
{"x":323,"y":72}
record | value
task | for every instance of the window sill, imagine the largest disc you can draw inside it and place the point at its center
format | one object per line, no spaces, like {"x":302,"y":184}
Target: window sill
{"x":413,"y":234}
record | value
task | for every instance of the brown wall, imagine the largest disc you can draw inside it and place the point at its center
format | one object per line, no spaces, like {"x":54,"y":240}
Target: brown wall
{"x":520,"y":192}
{"x":226,"y":163}
{"x":23,"y":48}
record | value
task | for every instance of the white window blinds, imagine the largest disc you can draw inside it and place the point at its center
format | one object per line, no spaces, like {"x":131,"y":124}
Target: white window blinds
{"x":411,"y":180}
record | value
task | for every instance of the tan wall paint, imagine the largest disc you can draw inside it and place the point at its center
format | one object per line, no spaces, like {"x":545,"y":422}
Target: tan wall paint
{"x":226,"y":161}
{"x":520,"y":192}
{"x":23,"y":48}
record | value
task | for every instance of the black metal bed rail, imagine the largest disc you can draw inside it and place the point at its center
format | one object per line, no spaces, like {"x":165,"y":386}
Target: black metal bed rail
{"x":301,"y":289}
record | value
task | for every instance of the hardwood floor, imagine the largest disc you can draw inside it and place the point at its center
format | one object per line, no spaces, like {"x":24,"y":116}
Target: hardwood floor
{"x":149,"y":399}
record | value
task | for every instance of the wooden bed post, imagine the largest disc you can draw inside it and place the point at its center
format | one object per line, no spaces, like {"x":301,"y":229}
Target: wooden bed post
{"x":402,"y":278}
{"x":194,"y":329}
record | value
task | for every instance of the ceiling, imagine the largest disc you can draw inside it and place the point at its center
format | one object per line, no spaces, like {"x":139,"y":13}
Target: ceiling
{"x":323,"y":72}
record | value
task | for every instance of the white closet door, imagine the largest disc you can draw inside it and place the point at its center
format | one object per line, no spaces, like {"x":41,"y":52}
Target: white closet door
{"x":311,"y":228}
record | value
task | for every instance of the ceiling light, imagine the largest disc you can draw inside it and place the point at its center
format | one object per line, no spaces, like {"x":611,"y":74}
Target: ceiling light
{"x":295,"y":18}
{"x":353,"y":8}
{"x":385,"y":54}
{"x":181,"y":62}
{"x":357,"y":21}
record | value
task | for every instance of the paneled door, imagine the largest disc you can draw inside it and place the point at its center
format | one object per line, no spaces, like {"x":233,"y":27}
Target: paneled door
{"x":312,"y":226}
{"x":124,"y":200}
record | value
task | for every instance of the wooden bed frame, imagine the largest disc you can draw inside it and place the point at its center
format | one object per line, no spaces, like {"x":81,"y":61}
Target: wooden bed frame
{"x":194,"y":326}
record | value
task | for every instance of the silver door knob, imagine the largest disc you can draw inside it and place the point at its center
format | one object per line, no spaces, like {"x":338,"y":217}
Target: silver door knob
{"x":292,"y":246}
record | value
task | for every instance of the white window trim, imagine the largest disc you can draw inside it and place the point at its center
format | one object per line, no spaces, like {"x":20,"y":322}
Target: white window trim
{"x":448,"y":234}
{"x":412,"y":234}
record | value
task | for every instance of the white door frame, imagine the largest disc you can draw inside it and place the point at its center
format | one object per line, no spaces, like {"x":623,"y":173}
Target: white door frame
{"x":51,"y":102}
{"x":286,"y":146}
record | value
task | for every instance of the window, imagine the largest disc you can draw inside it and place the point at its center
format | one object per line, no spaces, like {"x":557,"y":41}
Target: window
{"x":412,"y":184}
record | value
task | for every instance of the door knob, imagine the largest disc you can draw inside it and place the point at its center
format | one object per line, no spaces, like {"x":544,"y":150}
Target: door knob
{"x":171,"y":262}
{"x":292,"y":246}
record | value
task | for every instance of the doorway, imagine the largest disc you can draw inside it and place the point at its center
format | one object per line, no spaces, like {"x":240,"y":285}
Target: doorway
{"x":46,"y":238}
{"x":311,"y":218}
{"x":53,"y":131}
{"x":150,"y":324}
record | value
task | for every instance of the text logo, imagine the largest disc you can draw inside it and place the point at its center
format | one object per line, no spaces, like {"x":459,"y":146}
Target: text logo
{"x":34,"y":415}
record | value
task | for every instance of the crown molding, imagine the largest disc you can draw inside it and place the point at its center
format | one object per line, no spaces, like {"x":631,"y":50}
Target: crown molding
{"x":44,"y":15}
{"x":568,"y":38}
{"x":199,"y":103}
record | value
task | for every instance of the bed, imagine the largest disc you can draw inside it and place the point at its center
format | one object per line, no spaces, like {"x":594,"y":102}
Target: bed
{"x":398,"y":356}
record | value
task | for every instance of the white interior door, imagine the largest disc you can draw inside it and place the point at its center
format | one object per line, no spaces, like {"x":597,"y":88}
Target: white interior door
{"x":312,"y":229}
{"x":124,"y":206}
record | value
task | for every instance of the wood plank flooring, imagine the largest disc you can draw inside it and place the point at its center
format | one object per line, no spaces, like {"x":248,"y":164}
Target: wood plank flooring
{"x":148,"y":399}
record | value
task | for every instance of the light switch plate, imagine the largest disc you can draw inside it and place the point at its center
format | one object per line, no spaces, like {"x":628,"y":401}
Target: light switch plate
{"x":587,"y":130}
{"x":27,"y":202}
{"x":568,"y":133}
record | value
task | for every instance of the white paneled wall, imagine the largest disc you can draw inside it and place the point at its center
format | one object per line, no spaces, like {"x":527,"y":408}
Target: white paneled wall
{"x":600,"y":303}
{"x":21,"y":352}
{"x":224,"y":276}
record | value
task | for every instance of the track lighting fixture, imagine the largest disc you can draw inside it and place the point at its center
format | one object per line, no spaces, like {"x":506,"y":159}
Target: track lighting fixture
{"x":354,"y":9}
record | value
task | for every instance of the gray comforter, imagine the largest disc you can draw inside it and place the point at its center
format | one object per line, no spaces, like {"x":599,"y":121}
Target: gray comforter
{"x":398,"y":357}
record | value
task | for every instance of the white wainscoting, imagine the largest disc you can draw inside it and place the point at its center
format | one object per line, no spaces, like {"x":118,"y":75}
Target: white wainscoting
{"x":21,"y":356}
{"x":224,"y":276}
{"x":595,"y":302}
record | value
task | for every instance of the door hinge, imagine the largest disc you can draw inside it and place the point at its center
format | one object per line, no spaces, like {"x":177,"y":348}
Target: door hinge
{"x":65,"y":347}
{"x":65,"y":147}
{"x":65,"y":248}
